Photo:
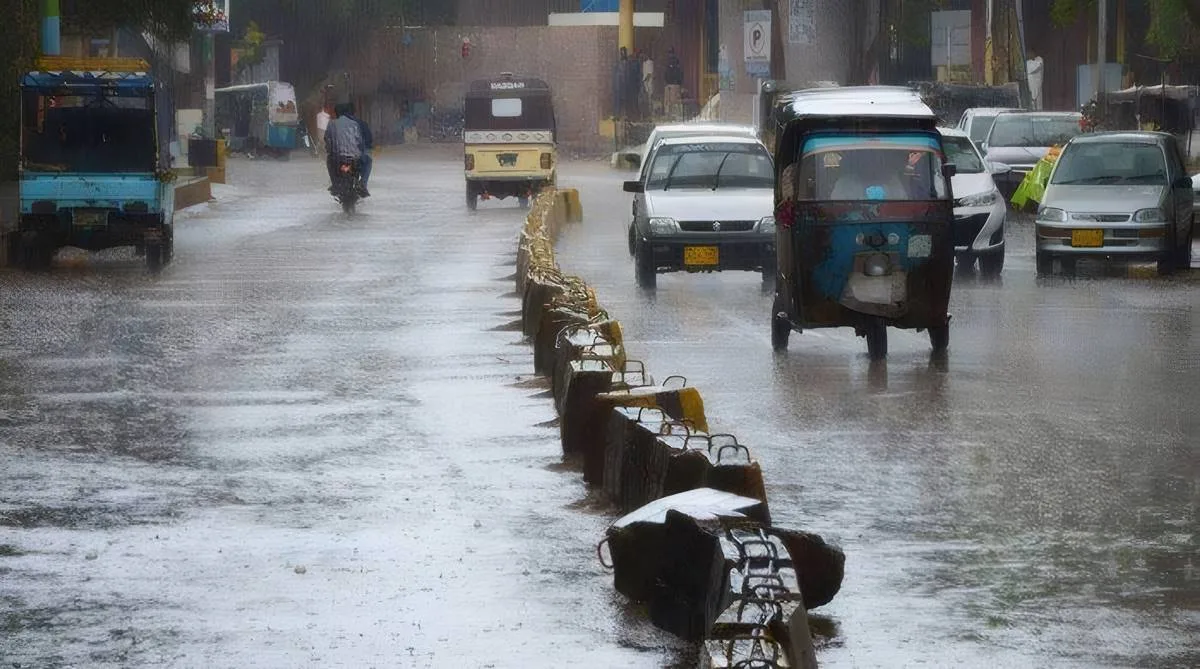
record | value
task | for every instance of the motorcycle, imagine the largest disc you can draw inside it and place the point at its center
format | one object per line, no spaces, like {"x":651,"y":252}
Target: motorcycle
{"x":347,"y":184}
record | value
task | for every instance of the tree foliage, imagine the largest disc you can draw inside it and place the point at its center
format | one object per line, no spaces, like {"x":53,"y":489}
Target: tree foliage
{"x":1174,"y":24}
{"x":172,"y":20}
{"x":17,"y":51}
{"x":318,"y":34}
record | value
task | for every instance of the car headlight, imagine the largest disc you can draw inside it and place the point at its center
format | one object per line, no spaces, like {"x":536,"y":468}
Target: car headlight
{"x":1154,"y":215}
{"x":979,"y":199}
{"x":663,"y":226}
{"x":766,"y":225}
{"x":1052,"y":215}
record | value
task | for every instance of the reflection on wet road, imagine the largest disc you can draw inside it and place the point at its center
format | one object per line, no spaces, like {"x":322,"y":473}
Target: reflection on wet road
{"x":308,"y":443}
{"x":1032,"y":500}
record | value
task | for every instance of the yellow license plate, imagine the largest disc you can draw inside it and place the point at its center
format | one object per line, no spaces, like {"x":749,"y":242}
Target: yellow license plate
{"x":701,"y":255}
{"x":1087,"y":238}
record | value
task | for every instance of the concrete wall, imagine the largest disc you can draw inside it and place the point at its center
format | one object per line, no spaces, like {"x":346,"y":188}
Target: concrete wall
{"x":577,"y":62}
{"x":841,"y":31}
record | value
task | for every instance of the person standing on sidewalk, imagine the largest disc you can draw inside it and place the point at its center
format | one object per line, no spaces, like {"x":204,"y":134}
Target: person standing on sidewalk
{"x":673,"y":78}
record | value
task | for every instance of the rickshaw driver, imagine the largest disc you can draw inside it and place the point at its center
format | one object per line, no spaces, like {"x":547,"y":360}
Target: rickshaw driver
{"x":872,"y":175}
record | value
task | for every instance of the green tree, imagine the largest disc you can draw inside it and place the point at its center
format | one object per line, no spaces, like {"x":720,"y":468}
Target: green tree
{"x":17,"y":51}
{"x":1174,"y":24}
{"x":172,"y":20}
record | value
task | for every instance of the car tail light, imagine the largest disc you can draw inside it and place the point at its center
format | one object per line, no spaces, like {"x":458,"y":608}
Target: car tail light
{"x":545,"y":161}
{"x":470,"y":161}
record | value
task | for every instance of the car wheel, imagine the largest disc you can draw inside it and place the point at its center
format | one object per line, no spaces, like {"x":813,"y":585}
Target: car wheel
{"x":877,"y":339}
{"x":1184,"y":256}
{"x":781,"y":330}
{"x":644,"y":269}
{"x":992,"y":264}
{"x":632,"y":241}
{"x":1045,"y":264}
{"x":472,"y":199}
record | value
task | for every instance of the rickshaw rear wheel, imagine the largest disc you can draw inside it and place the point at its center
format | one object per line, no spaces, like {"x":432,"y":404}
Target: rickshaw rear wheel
{"x":781,"y":331}
{"x":992,"y":264}
{"x":939,"y":338}
{"x":877,"y":339}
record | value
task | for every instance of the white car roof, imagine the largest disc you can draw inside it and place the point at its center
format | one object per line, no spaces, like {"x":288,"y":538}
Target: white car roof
{"x":952,"y":132}
{"x":704,"y":139}
{"x":716,"y":128}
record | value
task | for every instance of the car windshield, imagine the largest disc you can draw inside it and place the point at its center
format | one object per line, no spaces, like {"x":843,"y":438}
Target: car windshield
{"x":981,"y":125}
{"x":1024,"y":130}
{"x":961,"y":152}
{"x":1116,"y":163}
{"x":894,"y":167}
{"x":711,"y":166}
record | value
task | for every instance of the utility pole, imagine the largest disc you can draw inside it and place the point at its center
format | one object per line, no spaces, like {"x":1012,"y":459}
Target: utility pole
{"x":210,"y":86}
{"x":989,"y":54}
{"x":625,"y":29}
{"x":1023,"y":68}
{"x":1101,"y":46}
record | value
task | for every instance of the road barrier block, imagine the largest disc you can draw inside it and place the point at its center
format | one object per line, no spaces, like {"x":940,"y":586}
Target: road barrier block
{"x":572,"y":210}
{"x":555,"y":320}
{"x":584,"y":417}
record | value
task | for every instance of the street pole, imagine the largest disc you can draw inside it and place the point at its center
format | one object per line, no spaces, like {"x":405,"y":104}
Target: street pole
{"x":210,"y":86}
{"x":625,"y":29}
{"x":1101,"y":46}
{"x":51,"y":28}
{"x":1023,"y":80}
{"x":989,"y":55}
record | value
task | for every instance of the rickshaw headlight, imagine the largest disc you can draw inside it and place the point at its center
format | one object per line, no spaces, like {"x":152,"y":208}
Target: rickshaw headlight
{"x":766,"y":225}
{"x":876,"y":265}
{"x":1154,"y":215}
{"x":663,"y":226}
{"x":1052,"y":215}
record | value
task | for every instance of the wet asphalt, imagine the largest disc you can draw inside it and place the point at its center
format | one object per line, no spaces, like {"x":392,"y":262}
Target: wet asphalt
{"x":315,"y":440}
{"x":1031,"y":500}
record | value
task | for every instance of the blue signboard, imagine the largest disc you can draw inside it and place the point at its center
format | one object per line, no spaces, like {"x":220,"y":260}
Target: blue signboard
{"x":599,"y":5}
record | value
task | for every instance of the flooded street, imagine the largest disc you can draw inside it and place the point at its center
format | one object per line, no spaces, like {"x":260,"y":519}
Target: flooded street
{"x":317,"y":440}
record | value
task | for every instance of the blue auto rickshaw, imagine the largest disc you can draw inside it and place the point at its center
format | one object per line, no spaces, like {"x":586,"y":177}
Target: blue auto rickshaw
{"x":864,"y":211}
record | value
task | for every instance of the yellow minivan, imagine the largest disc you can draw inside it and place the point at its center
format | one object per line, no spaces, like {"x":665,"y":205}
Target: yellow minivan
{"x":509,"y":139}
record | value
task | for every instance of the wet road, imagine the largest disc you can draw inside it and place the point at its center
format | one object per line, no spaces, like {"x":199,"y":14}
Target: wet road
{"x":314,"y":441}
{"x":310,"y":442}
{"x":1032,"y":501}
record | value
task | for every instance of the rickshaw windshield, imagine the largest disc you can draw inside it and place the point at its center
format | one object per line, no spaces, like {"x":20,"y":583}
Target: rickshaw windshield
{"x":904,"y":167}
{"x":529,"y":112}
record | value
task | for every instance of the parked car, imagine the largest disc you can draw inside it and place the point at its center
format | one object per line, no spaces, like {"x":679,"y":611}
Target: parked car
{"x":1117,"y":195}
{"x":979,"y":209}
{"x":977,"y":121}
{"x":704,"y":204}
{"x":1021,"y":139}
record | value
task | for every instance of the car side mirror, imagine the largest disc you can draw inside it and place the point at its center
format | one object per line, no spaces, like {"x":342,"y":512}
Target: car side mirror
{"x":999,"y":168}
{"x":949,"y":170}
{"x":634,"y":187}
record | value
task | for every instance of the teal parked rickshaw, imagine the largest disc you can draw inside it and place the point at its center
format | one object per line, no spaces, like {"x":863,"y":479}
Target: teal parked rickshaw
{"x":863,"y":215}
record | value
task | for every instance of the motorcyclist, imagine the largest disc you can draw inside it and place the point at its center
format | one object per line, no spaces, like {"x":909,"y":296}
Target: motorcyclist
{"x":343,"y":141}
{"x":368,"y":145}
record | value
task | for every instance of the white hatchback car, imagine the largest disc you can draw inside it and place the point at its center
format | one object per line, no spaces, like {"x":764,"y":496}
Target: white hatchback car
{"x":980,"y":211}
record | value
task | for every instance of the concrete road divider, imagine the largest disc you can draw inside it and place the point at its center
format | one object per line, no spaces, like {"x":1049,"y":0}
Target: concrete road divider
{"x":696,"y":544}
{"x":708,"y":566}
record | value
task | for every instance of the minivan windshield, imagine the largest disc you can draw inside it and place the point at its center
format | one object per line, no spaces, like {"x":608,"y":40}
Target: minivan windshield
{"x":711,"y":166}
{"x":961,"y":152}
{"x":1115,"y":163}
{"x":1033,"y":130}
